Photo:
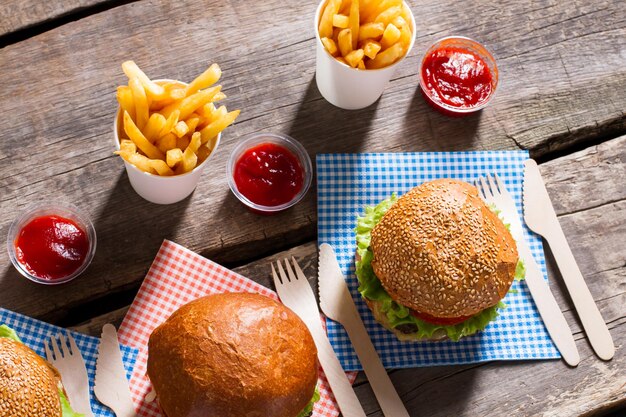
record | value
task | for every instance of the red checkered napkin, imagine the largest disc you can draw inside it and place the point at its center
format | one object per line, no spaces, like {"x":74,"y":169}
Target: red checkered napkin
{"x":176,"y":277}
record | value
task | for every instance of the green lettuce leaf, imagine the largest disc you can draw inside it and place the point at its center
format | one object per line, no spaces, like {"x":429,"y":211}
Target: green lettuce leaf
{"x":309,"y":407}
{"x":66,"y":409}
{"x":371,"y":288}
{"x":6,"y":331}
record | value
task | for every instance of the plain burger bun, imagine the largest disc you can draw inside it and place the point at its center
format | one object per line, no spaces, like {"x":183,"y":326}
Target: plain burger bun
{"x":232,"y":355}
{"x":29,"y":385}
{"x":442,"y":251}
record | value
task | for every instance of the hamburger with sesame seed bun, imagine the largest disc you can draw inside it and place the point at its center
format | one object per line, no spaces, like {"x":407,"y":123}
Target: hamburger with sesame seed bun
{"x":435,"y":263}
{"x":235,"y":355}
{"x":29,"y":385}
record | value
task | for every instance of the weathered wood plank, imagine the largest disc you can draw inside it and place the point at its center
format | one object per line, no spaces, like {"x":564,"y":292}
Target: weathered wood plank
{"x":547,"y":388}
{"x":56,"y":140}
{"x":19,"y":14}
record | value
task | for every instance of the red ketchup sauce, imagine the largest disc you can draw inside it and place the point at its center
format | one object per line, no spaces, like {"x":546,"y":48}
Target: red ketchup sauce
{"x":269,"y":175}
{"x":456,"y":77}
{"x":51,"y":247}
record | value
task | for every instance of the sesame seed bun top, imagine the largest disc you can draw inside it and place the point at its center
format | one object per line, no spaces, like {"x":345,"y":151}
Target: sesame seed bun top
{"x":28,"y":383}
{"x":440,"y":250}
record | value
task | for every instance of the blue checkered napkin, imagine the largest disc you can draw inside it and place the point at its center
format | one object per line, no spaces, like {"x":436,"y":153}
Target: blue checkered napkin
{"x":346,"y":183}
{"x":35,"y":333}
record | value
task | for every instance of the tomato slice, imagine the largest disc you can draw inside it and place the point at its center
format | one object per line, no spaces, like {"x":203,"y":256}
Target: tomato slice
{"x":444,"y":321}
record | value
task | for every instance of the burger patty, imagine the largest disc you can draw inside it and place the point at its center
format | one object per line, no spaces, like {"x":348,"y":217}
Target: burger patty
{"x":404,"y":332}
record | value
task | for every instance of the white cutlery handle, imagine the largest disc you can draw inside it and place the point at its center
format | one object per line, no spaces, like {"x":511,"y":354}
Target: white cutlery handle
{"x":592,"y":321}
{"x":340,"y":385}
{"x":549,"y":310}
{"x":386,"y":394}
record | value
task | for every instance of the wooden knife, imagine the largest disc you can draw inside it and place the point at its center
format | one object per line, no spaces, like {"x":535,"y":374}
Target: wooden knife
{"x":336,"y":302}
{"x":111,"y":386}
{"x":540,"y":217}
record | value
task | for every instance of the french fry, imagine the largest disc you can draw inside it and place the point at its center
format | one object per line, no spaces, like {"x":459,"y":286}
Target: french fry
{"x":192,"y":122}
{"x":354,"y":23}
{"x":325,"y":27}
{"x":155,"y":124}
{"x":386,"y":57}
{"x":190,"y":160}
{"x":173,"y":157}
{"x":183,"y":142}
{"x":344,"y":42}
{"x":372,"y":30}
{"x":140,"y":140}
{"x":406,"y":37}
{"x":341,"y":59}
{"x":218,"y":125}
{"x":330,"y":46}
{"x":180,"y":129}
{"x":406,"y":15}
{"x":171,"y":121}
{"x":189,"y":104}
{"x":139,"y":161}
{"x":390,"y":36}
{"x":203,"y":153}
{"x":173,"y":91}
{"x":399,"y":22}
{"x":336,"y":33}
{"x":125,"y":99}
{"x":345,"y":7}
{"x":219,"y":96}
{"x":376,"y":8}
{"x":195,"y":142}
{"x":354,"y":57}
{"x":161,"y":167}
{"x":206,"y":110}
{"x":361,"y":65}
{"x":166,"y":143}
{"x":340,"y":21}
{"x":204,"y":80}
{"x":218,"y":113}
{"x":141,"y":102}
{"x":386,"y":16}
{"x":132,"y":71}
{"x":371,"y":48}
{"x":128,"y":145}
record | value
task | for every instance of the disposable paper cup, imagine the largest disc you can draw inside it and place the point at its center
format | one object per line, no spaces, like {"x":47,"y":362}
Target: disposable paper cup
{"x":155,"y":188}
{"x":346,"y":87}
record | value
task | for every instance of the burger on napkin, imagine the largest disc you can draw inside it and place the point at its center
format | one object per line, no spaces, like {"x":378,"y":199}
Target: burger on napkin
{"x":29,"y":385}
{"x":436,"y":262}
{"x":231,"y":355}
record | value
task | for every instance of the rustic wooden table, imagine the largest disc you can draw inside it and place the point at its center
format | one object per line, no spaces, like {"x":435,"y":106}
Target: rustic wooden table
{"x":562,"y":96}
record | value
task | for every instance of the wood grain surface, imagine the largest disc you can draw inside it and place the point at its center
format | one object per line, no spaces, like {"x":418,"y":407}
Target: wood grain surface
{"x":561,"y":96}
{"x":16,"y":15}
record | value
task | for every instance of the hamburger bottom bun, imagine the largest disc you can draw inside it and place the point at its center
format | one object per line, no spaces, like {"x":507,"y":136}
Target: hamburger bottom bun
{"x":231,"y":355}
{"x":440,"y":250}
{"x":29,"y":385}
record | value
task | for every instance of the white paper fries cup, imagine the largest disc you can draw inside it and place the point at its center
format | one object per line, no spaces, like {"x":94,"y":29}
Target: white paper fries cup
{"x":347,"y":87}
{"x":155,"y":188}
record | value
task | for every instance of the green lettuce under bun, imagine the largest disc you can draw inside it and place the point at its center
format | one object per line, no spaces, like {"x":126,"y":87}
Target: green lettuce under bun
{"x":6,"y":331}
{"x":394,"y":315}
{"x":66,"y":409}
{"x":308,"y":410}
